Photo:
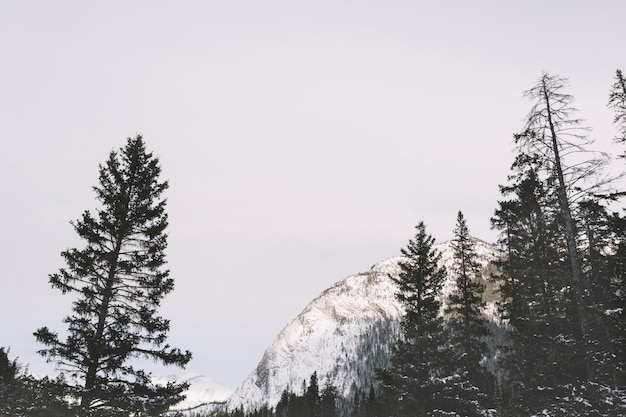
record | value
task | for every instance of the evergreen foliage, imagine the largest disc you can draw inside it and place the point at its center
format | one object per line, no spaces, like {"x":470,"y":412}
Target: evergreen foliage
{"x":311,"y":403}
{"x":118,"y":281}
{"x":617,"y":101}
{"x":465,"y":320}
{"x":312,"y":397}
{"x":367,"y":406}
{"x":328,"y":402}
{"x":24,"y":395}
{"x":536,"y":300}
{"x":422,"y":380}
{"x":555,"y":280}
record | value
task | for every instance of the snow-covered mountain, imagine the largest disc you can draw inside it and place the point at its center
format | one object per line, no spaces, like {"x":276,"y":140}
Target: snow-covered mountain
{"x":343,"y":335}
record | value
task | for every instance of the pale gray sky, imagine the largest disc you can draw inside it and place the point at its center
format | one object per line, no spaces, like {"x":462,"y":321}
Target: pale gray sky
{"x":302,"y":140}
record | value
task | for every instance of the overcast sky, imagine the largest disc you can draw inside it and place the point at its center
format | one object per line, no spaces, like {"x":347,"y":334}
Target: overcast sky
{"x":302,"y":140}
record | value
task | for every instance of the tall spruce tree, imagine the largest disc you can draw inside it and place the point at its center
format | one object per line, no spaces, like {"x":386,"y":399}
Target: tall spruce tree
{"x":613,"y":282}
{"x":312,"y":396}
{"x":571,"y":171}
{"x":466,"y":322}
{"x":118,"y":282}
{"x":553,"y":230}
{"x":604,"y":260}
{"x":559,"y":142}
{"x":617,"y":101}
{"x":422,"y":378}
{"x":544,"y":354}
{"x":328,"y":401}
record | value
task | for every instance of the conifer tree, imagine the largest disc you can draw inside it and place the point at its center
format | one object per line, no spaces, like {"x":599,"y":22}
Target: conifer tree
{"x":557,"y":358}
{"x":118,"y":282}
{"x":551,"y":135}
{"x":328,"y":401}
{"x":358,"y":408}
{"x":22,"y":394}
{"x":617,"y":101}
{"x":466,"y":322}
{"x":543,"y":355}
{"x":9,"y":381}
{"x":613,"y":308}
{"x":559,"y":144}
{"x":614,"y":283}
{"x":282,"y":407}
{"x":312,"y":396}
{"x":421,"y":379}
{"x":605,"y":260}
{"x":373,"y":406}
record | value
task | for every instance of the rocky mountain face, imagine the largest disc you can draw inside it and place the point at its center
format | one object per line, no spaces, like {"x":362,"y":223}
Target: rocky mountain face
{"x":344,"y":335}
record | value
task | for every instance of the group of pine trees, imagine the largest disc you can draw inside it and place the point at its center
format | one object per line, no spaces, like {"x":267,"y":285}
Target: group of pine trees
{"x":436,"y":367}
{"x":561,"y":281}
{"x":312,"y":402}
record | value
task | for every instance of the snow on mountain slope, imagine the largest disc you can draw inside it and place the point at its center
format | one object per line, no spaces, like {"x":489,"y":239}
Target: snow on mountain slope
{"x":202,"y":390}
{"x":343,"y":335}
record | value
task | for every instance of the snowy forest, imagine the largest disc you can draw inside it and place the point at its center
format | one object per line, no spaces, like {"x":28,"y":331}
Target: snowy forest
{"x":560,"y":284}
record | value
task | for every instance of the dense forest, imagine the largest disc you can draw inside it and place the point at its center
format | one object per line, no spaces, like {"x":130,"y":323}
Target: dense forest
{"x":561,"y":288}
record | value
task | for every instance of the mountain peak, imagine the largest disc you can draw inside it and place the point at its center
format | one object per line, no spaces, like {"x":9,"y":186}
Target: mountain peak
{"x":344,"y":334}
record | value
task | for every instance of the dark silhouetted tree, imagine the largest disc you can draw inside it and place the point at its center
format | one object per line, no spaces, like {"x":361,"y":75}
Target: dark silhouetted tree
{"x":465,"y":319}
{"x":536,"y":299}
{"x":328,"y":401}
{"x":617,"y":101}
{"x":118,"y":281}
{"x":312,"y":396}
{"x":422,"y":378}
{"x":22,"y":394}
{"x":555,"y":234}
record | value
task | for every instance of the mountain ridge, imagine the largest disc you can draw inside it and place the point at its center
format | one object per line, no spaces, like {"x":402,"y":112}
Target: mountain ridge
{"x":344,"y":334}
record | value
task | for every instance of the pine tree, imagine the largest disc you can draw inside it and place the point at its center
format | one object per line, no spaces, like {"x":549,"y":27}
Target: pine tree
{"x":421,"y":379}
{"x":312,"y":396}
{"x":9,"y":383}
{"x":555,"y":234}
{"x":328,"y":401}
{"x":614,"y":282}
{"x":617,"y":101}
{"x":358,"y":408}
{"x":22,"y":394}
{"x":558,"y":141}
{"x":466,"y":322}
{"x":605,"y":261}
{"x":552,"y":134}
{"x":282,"y":407}
{"x":612,"y":309}
{"x":118,"y":281}
{"x":372,"y":405}
{"x":536,"y":299}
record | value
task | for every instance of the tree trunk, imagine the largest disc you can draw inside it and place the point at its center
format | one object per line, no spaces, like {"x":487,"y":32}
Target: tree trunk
{"x":570,"y":235}
{"x":95,"y":356}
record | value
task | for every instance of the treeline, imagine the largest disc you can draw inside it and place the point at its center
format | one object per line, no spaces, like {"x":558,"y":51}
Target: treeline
{"x":313,"y":402}
{"x":24,"y":395}
{"x":561,"y":282}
